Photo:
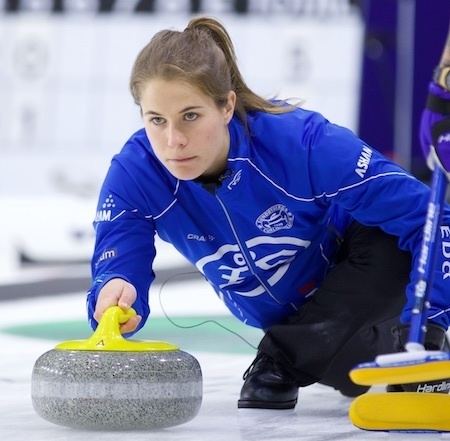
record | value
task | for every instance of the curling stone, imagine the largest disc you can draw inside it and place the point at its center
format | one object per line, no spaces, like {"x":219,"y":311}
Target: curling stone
{"x":111,"y":383}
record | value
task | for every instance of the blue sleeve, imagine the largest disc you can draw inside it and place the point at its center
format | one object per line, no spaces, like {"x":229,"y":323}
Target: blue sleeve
{"x":124,"y":246}
{"x":377,"y":192}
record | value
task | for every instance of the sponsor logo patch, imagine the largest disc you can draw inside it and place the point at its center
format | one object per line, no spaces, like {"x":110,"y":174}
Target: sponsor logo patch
{"x":200,"y":237}
{"x":275,"y":218}
{"x":363,"y":161}
{"x":445,"y":234}
{"x":104,"y":214}
{"x":444,"y":386}
{"x":235,"y":180}
{"x":107,"y":255}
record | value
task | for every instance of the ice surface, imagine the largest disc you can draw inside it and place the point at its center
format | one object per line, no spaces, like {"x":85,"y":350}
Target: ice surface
{"x":321,"y":413}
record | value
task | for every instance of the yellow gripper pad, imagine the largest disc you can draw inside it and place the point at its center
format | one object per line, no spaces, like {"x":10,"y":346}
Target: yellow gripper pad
{"x":401,"y":411}
{"x":403,"y":367}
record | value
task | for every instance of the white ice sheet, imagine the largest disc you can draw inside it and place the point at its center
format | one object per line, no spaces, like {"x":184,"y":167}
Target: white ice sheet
{"x":321,"y":413}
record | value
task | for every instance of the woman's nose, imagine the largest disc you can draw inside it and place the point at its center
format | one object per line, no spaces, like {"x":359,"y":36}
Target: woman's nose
{"x":176,"y":138}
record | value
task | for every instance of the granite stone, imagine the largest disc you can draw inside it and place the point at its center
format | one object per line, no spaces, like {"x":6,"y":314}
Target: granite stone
{"x":117,"y":390}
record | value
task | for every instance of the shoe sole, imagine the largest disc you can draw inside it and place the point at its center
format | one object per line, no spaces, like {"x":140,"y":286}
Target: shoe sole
{"x":250,"y":404}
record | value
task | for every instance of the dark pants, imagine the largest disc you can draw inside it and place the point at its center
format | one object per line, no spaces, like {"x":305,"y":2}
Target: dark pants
{"x":349,"y":318}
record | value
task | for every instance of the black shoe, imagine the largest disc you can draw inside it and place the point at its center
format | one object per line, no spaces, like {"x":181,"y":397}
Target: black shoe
{"x":267,"y":386}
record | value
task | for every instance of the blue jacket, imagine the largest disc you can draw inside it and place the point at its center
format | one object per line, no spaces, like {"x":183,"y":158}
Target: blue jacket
{"x":266,"y":237}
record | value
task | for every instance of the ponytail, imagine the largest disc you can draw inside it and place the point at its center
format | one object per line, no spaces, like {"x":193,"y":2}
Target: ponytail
{"x":203,"y":54}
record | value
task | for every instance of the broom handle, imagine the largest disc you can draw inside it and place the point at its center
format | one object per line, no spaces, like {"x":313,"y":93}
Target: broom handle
{"x":426,"y":263}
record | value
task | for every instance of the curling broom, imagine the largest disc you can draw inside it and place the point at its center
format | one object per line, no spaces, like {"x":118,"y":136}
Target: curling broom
{"x":410,"y":410}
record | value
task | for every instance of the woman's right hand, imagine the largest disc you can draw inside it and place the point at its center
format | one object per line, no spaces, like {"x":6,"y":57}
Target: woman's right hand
{"x":118,"y":292}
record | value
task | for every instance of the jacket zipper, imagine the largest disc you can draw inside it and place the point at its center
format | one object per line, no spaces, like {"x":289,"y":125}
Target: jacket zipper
{"x":245,"y":253}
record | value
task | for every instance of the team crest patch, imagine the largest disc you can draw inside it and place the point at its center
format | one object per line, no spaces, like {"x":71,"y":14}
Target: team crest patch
{"x":275,"y":218}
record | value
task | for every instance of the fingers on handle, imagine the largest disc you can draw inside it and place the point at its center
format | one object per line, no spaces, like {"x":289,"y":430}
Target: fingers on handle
{"x":131,"y":324}
{"x":127,"y":296}
{"x":115,"y":292}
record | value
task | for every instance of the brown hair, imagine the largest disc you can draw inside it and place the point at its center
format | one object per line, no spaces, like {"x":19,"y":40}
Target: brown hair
{"x":203,"y":55}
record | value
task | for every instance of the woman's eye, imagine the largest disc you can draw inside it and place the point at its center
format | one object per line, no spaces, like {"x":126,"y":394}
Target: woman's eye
{"x":190,"y":116}
{"x":157,"y":120}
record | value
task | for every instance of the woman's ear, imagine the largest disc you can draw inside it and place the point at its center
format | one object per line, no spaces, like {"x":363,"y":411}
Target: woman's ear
{"x":230,"y":106}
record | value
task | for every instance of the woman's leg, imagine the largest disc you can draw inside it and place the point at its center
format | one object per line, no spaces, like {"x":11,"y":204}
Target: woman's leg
{"x":347,"y":321}
{"x":364,"y":345}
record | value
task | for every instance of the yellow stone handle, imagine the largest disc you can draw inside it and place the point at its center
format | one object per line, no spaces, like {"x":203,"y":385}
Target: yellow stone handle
{"x":107,"y":336}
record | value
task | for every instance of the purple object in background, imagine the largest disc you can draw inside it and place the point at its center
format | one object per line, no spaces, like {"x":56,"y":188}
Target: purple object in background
{"x":435,"y":128}
{"x":382,"y":115}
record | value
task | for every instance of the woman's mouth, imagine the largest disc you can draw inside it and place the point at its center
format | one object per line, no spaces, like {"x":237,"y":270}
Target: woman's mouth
{"x":182,"y":160}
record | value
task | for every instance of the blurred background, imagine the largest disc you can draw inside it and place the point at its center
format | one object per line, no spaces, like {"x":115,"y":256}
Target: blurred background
{"x":65,"y":107}
{"x":65,"y":110}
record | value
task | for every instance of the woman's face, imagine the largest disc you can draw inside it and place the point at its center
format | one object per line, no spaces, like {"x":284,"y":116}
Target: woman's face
{"x":187,"y":130}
